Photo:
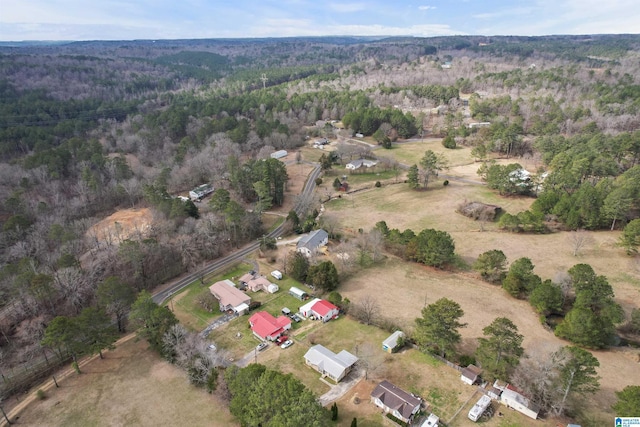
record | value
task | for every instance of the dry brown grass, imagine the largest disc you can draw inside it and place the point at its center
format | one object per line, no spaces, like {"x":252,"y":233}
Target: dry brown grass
{"x":131,"y":386}
{"x":402,"y":288}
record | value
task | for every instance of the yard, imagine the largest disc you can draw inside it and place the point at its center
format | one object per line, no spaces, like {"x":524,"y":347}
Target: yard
{"x":402,"y":289}
{"x":131,"y":386}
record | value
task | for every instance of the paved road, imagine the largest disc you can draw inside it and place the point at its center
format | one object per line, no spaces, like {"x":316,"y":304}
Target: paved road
{"x":236,"y":256}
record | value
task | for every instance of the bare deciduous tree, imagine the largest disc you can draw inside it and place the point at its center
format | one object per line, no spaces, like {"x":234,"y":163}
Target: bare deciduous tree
{"x":367,"y":310}
{"x":578,"y":240}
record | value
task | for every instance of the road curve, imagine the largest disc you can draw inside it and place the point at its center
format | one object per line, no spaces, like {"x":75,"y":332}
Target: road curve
{"x":236,"y":256}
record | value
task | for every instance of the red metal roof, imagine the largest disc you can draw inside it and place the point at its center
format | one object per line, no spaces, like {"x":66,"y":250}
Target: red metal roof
{"x":323,"y":307}
{"x":265,"y":325}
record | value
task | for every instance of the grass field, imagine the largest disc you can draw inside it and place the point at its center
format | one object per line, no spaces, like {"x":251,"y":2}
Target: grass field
{"x":402,"y":289}
{"x":410,"y":153}
{"x":131,"y":386}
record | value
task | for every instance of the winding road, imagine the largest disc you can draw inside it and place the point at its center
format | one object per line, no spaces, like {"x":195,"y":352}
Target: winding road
{"x":220,"y":263}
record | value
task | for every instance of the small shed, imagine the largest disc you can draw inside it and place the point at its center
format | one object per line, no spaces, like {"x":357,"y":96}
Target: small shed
{"x":298,"y":293}
{"x":392,"y":342}
{"x":272,"y":288}
{"x":276,"y":274}
{"x":470,"y":374}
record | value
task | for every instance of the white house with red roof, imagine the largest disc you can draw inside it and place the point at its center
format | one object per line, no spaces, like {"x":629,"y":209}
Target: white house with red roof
{"x":267,"y":327}
{"x":320,"y":309}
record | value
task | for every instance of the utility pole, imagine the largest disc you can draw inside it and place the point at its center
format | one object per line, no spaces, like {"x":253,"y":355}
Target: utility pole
{"x":264,"y":80}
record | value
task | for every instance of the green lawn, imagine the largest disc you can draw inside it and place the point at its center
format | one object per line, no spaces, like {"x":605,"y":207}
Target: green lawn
{"x":411,"y":152}
{"x":189,"y":312}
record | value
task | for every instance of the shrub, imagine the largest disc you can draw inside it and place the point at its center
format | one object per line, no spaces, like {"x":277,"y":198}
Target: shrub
{"x":378,"y":185}
{"x":318,"y":181}
{"x":41,"y":394}
{"x":446,"y":182}
{"x":396,"y":420}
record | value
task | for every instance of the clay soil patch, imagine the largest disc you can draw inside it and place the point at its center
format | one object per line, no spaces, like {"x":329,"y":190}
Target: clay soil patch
{"x":122,"y":225}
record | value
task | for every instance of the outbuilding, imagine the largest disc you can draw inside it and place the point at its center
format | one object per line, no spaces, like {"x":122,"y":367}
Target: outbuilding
{"x":298,"y":293}
{"x":393,"y":342}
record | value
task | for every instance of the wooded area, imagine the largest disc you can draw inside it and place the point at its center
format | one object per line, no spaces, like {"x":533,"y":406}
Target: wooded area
{"x":92,"y":128}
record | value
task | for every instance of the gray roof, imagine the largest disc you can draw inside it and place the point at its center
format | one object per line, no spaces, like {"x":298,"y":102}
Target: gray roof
{"x":312,"y":240}
{"x":392,"y":341}
{"x":362,"y":162}
{"x":396,"y":398}
{"x":328,"y":361}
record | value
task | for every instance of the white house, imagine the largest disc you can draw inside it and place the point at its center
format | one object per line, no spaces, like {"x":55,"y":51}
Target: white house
{"x":512,"y":398}
{"x":312,"y":242}
{"x":357,"y":164}
{"x":320,"y":309}
{"x":396,"y":401}
{"x":329,"y":364}
{"x":200,"y":192}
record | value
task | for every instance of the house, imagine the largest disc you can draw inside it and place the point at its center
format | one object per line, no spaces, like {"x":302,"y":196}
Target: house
{"x":470,"y":374}
{"x":267,"y":327}
{"x":396,"y":401}
{"x":478,"y":409}
{"x":259,"y":283}
{"x":511,"y":397}
{"x":357,"y":164}
{"x":390,"y":344}
{"x":312,"y":242}
{"x":229,"y":297}
{"x":298,"y":293}
{"x":244,"y":279}
{"x":432,"y":421}
{"x":320,"y":309}
{"x":279,"y":154}
{"x":200,"y":192}
{"x":479,"y":125}
{"x":329,"y":364}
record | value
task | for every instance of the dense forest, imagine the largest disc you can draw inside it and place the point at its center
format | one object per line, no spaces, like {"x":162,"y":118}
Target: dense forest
{"x":89,"y":128}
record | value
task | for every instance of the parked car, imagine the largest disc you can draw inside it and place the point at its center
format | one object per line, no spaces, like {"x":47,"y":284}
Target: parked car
{"x":212,"y":347}
{"x":281,"y":339}
{"x":296,"y":318}
{"x":262,"y":346}
{"x":287,"y":344}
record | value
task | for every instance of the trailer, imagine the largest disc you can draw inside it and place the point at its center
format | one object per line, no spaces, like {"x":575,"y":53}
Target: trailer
{"x":478,"y":409}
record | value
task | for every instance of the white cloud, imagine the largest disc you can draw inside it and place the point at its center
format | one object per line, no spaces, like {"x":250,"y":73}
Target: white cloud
{"x":427,"y":7}
{"x":347,"y":7}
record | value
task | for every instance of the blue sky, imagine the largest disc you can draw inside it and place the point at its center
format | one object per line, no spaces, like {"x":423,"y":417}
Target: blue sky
{"x":175,"y":19}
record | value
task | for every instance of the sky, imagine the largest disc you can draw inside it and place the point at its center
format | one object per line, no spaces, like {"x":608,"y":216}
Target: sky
{"x":186,"y":19}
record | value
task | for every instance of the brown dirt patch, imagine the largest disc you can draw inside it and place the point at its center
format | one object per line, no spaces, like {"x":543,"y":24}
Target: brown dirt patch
{"x":122,"y":225}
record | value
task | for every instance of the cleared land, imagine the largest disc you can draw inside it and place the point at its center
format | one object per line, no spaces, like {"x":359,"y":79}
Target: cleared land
{"x":403,"y":289}
{"x":131,"y":386}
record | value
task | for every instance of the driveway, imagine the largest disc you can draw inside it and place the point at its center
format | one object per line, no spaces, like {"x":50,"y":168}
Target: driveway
{"x":340,"y":389}
{"x":217,"y":323}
